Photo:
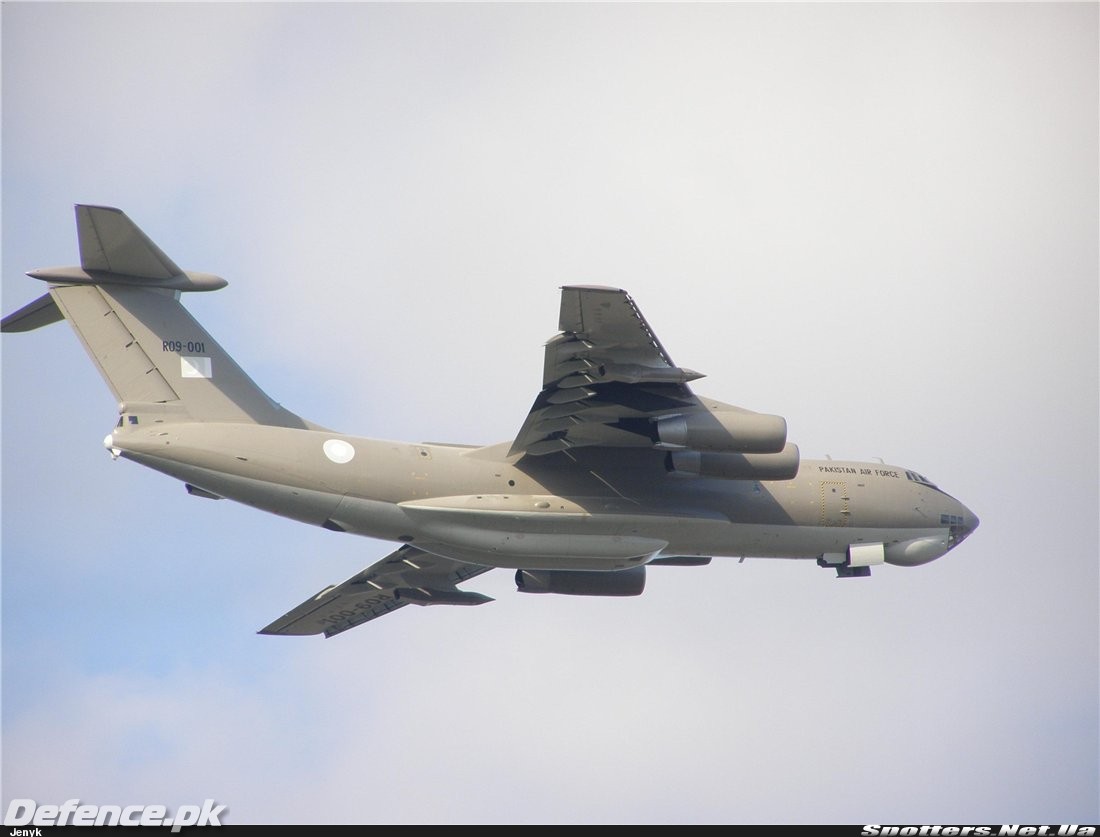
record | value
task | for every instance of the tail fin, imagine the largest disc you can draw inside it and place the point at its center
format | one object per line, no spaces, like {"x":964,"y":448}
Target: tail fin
{"x":123,"y":303}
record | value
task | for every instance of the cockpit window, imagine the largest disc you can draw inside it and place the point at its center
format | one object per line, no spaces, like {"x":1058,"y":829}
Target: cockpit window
{"x":915,"y":477}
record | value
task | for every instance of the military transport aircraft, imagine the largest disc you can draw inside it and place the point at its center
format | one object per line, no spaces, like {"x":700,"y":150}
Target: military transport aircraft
{"x":618,"y":466}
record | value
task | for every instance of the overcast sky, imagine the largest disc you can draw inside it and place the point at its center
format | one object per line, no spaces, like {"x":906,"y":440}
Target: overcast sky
{"x":879,"y":221}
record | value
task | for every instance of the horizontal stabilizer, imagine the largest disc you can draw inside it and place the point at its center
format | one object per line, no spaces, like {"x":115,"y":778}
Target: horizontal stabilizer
{"x":114,"y":251}
{"x":41,"y":312}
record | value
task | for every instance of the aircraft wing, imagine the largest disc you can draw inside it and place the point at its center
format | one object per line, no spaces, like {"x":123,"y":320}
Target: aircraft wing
{"x":606,"y":377}
{"x":407,"y":576}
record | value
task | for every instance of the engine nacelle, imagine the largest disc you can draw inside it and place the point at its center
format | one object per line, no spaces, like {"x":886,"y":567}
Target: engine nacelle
{"x":723,"y":430}
{"x":736,"y":466}
{"x":629,"y":582}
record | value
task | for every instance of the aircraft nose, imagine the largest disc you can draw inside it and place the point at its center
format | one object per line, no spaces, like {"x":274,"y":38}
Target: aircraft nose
{"x":971,"y":521}
{"x":965,"y":527}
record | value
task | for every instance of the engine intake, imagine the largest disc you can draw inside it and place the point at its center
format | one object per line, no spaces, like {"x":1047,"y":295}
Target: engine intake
{"x":629,"y":582}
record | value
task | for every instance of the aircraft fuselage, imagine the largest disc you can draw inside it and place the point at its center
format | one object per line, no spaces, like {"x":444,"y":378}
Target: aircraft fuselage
{"x":507,"y":511}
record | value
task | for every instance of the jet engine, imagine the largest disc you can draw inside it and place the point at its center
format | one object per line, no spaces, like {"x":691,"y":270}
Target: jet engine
{"x":724,"y":429}
{"x":736,"y":466}
{"x":629,"y":582}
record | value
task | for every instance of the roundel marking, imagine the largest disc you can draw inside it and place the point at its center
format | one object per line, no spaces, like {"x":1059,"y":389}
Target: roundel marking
{"x":339,"y":451}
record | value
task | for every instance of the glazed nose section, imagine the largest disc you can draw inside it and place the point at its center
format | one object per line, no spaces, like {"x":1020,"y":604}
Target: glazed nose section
{"x":963,"y":525}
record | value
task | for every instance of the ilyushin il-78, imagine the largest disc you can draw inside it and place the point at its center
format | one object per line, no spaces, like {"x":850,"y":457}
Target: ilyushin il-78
{"x":618,"y":466}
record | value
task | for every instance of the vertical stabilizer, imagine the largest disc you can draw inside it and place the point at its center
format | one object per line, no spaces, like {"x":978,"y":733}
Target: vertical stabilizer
{"x":124,"y":304}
